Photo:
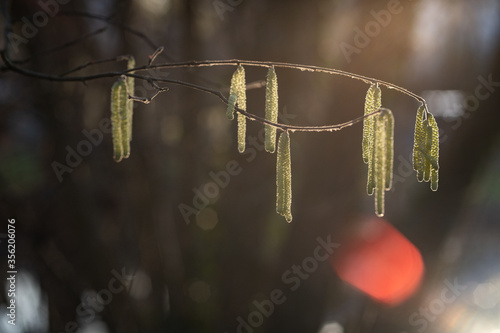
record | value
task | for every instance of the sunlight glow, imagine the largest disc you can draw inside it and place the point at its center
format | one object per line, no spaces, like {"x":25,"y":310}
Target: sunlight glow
{"x":473,"y":311}
{"x":332,"y":327}
{"x":447,"y":27}
{"x":486,"y":295}
{"x":445,"y":103}
{"x":155,"y":7}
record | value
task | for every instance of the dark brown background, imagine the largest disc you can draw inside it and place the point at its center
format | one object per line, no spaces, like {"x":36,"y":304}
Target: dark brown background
{"x":106,"y":216}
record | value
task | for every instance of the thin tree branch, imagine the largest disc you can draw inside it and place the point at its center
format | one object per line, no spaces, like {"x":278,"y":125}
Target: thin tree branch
{"x":13,"y":67}
{"x":124,"y":27}
{"x":91,"y":63}
{"x":63,"y":46}
{"x":309,"y":68}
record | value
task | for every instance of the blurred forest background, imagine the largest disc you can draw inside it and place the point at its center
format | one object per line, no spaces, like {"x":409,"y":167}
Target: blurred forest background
{"x":103,"y":220}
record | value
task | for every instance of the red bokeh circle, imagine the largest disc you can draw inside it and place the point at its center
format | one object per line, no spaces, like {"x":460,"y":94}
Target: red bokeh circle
{"x":378,"y":260}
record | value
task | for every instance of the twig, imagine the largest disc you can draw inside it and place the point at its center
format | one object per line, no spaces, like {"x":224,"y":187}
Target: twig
{"x":336,"y":127}
{"x":63,"y":46}
{"x":154,"y":55}
{"x":91,"y":63}
{"x":309,"y":68}
{"x":124,"y":27}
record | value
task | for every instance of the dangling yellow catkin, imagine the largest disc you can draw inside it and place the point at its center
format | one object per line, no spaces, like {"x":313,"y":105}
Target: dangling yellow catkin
{"x":237,"y":81}
{"x":419,"y":144}
{"x":125,"y":124}
{"x":237,"y":97}
{"x":389,"y":148}
{"x":284,"y":178}
{"x":242,"y":104}
{"x":130,"y":91}
{"x":271,"y":109}
{"x":434,"y":152}
{"x":427,"y":150}
{"x":373,"y":102}
{"x":380,"y":162}
{"x":370,"y":184}
{"x":242,"y":129}
{"x":381,"y":159}
{"x":118,"y":108}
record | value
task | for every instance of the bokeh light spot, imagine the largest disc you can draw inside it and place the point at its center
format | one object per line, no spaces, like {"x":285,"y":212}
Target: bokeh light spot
{"x":207,"y":219}
{"x":378,"y":260}
{"x":486,"y":295}
{"x":332,"y":327}
{"x":141,"y":285}
{"x":199,"y":291}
